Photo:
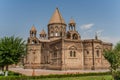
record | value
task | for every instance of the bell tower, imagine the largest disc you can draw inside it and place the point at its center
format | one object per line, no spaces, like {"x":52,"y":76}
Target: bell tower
{"x":33,"y":31}
{"x":33,"y":39}
{"x":72,"y":33}
{"x":43,"y":34}
{"x":56,"y":26}
{"x":72,"y":25}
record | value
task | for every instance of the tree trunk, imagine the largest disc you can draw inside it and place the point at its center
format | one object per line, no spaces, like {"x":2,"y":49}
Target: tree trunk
{"x":2,"y":68}
{"x":6,"y":72}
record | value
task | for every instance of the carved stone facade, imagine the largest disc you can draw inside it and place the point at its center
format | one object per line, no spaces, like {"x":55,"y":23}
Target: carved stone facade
{"x":64,"y":50}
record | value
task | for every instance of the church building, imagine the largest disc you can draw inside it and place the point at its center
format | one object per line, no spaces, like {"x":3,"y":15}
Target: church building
{"x":61,"y":48}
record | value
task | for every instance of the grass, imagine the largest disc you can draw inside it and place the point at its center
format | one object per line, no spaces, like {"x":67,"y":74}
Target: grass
{"x":106,"y":77}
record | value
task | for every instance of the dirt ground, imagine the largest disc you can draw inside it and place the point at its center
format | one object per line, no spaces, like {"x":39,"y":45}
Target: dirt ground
{"x":37,"y":72}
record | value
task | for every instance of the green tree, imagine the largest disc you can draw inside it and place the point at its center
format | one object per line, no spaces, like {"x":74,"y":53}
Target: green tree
{"x":113,"y":57}
{"x":11,"y":50}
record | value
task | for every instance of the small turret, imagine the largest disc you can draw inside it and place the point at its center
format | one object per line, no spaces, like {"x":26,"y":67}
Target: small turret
{"x":72,"y":25}
{"x":43,"y":34}
{"x":33,"y":38}
{"x":33,"y":31}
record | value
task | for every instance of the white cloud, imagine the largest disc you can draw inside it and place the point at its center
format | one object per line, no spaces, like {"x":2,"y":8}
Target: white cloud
{"x":87,"y":26}
{"x":112,"y":40}
{"x":87,"y":34}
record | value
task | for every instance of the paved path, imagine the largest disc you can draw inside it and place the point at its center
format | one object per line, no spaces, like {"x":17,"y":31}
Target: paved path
{"x":29,"y":72}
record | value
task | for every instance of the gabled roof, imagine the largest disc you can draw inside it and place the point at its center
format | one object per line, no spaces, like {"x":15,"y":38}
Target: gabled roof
{"x":56,"y":17}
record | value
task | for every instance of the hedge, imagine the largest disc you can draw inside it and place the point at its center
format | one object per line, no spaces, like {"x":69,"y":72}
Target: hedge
{"x":22,"y":77}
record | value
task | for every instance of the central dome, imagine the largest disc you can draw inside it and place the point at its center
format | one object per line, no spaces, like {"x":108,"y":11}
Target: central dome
{"x":56,"y":18}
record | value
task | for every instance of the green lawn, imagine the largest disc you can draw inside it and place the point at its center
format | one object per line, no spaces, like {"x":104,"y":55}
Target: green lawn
{"x":106,"y":77}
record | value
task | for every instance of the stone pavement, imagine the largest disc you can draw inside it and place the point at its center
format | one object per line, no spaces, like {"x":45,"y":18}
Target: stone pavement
{"x":37,"y":72}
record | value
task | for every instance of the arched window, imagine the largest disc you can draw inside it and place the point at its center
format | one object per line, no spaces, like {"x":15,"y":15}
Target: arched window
{"x":51,"y":34}
{"x":44,"y":59}
{"x":57,"y":34}
{"x":97,"y":52}
{"x":34,"y":57}
{"x":70,"y":53}
{"x":56,"y":27}
{"x":51,"y":27}
{"x":74,"y":36}
{"x":68,"y":35}
{"x":74,"y":54}
{"x":34,"y":41}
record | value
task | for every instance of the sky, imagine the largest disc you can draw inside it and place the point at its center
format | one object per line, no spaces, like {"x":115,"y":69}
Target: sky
{"x":91,"y":16}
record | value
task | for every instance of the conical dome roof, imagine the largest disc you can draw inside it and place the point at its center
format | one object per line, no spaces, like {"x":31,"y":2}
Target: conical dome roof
{"x":43,"y":32}
{"x":56,"y":18}
{"x":72,"y":21}
{"x":33,"y":29}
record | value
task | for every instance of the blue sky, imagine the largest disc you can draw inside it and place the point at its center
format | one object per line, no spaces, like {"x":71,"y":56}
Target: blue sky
{"x":101,"y":16}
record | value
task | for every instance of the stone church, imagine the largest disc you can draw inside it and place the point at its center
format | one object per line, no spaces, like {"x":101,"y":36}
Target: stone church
{"x":60,"y":49}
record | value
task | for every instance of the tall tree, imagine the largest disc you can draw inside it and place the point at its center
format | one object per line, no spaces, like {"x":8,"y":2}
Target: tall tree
{"x":113,"y":57}
{"x":11,"y":50}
